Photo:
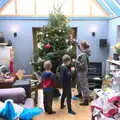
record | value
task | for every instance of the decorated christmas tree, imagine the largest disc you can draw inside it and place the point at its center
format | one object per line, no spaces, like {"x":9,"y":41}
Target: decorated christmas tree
{"x":52,"y":41}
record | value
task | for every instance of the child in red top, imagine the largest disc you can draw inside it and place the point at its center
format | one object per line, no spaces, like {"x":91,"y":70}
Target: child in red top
{"x":48,"y":82}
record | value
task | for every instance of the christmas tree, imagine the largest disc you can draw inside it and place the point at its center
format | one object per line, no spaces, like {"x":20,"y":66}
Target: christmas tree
{"x":52,"y":41}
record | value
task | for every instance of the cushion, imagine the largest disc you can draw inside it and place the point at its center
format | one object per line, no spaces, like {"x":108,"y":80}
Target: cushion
{"x":17,"y":94}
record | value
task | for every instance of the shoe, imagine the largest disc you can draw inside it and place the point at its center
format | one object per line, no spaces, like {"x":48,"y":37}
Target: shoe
{"x":85,"y":103}
{"x":52,"y":112}
{"x":46,"y":111}
{"x":62,"y":107}
{"x":71,"y":112}
{"x":79,"y":95}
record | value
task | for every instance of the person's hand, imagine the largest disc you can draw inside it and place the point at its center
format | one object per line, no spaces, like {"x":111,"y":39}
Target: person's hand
{"x":73,"y":41}
{"x":72,"y":69}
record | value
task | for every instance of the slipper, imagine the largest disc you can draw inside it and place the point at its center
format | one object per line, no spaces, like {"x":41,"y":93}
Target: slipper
{"x":74,"y":98}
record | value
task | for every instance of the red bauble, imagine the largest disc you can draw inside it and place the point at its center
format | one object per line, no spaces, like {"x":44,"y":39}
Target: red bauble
{"x":48,"y":46}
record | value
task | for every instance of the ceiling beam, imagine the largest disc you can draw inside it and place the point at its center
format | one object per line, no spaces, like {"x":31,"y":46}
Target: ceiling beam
{"x":3,"y":3}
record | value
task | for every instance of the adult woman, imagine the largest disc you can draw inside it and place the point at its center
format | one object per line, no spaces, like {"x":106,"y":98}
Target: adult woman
{"x":82,"y":70}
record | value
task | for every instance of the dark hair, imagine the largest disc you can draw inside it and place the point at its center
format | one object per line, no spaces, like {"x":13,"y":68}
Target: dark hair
{"x":66,"y":58}
{"x":84,"y":44}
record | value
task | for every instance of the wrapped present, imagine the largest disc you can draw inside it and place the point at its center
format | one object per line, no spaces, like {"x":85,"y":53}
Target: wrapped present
{"x":116,"y":84}
{"x":114,"y":97}
{"x":108,"y":109}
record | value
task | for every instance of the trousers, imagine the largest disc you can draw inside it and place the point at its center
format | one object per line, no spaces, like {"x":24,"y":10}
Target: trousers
{"x":82,"y":84}
{"x":47,"y":99}
{"x":66,"y":94}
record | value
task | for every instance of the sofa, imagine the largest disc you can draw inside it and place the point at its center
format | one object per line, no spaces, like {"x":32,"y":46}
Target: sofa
{"x":18,"y":95}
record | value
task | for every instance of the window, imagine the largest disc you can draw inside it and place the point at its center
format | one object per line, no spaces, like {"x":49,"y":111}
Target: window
{"x":44,"y":7}
{"x":96,"y":10}
{"x":82,"y":8}
{"x":25,"y":7}
{"x":66,"y":6}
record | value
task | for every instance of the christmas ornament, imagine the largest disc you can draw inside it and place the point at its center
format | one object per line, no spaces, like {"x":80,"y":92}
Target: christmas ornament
{"x":73,"y":60}
{"x":46,"y":35}
{"x":40,"y":60}
{"x":48,"y":46}
{"x":69,"y":48}
{"x":39,"y":45}
{"x":60,"y":30}
{"x":66,"y":40}
{"x":41,"y":33}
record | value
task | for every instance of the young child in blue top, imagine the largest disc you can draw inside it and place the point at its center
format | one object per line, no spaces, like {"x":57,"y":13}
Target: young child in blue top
{"x":65,"y":77}
{"x":48,"y":82}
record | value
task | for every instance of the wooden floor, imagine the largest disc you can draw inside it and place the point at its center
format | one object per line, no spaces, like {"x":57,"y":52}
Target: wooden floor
{"x":82,"y":112}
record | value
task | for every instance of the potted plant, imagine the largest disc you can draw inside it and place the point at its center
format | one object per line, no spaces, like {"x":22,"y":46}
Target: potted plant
{"x":116,"y":55}
{"x":107,"y":81}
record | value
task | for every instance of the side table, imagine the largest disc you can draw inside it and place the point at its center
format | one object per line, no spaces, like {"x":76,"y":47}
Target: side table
{"x":34,"y":88}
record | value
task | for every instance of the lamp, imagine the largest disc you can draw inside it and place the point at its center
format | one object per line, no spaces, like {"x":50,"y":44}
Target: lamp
{"x":93,"y":29}
{"x":15,"y":34}
{"x":14,"y":29}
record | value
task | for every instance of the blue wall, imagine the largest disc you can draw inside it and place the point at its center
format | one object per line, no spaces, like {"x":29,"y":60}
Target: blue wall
{"x":23,"y":43}
{"x":112,"y":37}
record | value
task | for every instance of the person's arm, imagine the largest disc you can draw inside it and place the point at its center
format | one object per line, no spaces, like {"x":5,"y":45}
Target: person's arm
{"x":65,"y":73}
{"x":38,"y":77}
{"x":42,"y":78}
{"x":54,"y":79}
{"x":81,"y":61}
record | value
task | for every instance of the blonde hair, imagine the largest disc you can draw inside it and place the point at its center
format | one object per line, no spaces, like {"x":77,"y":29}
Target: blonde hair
{"x":47,"y":65}
{"x":85,"y":44}
{"x":66,"y":58}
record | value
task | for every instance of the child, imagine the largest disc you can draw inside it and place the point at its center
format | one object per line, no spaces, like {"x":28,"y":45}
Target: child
{"x":48,"y":81}
{"x":65,"y":76}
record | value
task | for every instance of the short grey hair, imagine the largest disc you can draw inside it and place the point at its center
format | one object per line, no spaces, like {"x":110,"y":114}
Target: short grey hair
{"x":66,"y":58}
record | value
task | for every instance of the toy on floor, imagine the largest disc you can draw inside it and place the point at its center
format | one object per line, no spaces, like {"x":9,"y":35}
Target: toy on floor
{"x":12,"y":111}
